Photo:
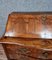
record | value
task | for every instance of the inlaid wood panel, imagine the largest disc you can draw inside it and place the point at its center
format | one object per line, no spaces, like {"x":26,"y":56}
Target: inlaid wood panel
{"x":29,"y":25}
{"x":12,"y":55}
{"x":36,"y":48}
{"x":13,"y":52}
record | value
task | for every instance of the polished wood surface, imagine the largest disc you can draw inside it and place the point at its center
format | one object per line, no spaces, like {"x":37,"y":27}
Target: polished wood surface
{"x":29,"y":25}
{"x":28,"y":36}
{"x":36,"y":48}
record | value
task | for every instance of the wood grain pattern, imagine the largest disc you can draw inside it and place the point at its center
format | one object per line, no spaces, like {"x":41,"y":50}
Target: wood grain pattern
{"x":28,"y":36}
{"x":36,"y":48}
{"x":29,"y":25}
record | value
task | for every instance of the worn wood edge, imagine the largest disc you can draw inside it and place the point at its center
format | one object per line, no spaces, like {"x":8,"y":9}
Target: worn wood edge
{"x":34,"y":43}
{"x":31,"y":12}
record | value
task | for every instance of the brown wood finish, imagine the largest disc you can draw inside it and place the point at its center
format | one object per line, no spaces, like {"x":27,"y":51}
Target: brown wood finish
{"x":28,"y":36}
{"x":29,"y":25}
{"x":36,"y":48}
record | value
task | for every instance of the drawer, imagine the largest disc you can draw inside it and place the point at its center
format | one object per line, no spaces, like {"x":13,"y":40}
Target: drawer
{"x":12,"y":54}
{"x":28,"y":51}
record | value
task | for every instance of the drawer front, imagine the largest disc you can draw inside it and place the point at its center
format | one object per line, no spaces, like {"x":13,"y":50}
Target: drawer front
{"x":28,"y":51}
{"x":12,"y":54}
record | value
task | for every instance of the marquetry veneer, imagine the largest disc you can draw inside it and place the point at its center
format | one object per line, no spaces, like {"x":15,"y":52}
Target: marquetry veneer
{"x":28,"y":36}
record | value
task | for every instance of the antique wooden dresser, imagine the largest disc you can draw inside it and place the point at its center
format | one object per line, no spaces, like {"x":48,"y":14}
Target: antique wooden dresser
{"x":28,"y":36}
